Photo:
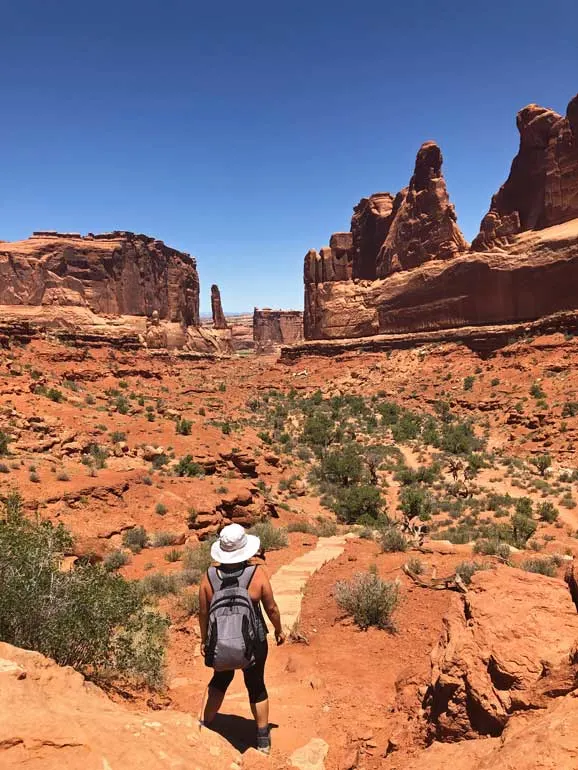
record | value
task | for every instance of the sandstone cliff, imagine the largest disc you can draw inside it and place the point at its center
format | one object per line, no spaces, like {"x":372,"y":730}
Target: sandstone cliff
{"x":406,"y":267}
{"x":272,"y":328}
{"x":542,"y":189}
{"x":116,"y":273}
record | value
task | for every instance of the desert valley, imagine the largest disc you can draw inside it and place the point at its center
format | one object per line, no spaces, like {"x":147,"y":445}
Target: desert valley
{"x":405,"y":448}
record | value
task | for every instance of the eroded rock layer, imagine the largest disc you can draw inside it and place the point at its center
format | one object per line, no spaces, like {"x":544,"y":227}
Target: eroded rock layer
{"x":219,"y":320}
{"x":116,"y":273}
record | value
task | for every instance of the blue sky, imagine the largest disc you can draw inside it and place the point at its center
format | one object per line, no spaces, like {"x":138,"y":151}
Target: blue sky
{"x":244,"y":132}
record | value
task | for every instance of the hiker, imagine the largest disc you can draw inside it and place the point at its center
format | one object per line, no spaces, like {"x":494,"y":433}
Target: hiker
{"x":233,"y":629}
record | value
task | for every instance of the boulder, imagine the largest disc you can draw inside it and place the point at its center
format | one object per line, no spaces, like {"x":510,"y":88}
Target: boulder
{"x":52,"y":719}
{"x":498,"y":641}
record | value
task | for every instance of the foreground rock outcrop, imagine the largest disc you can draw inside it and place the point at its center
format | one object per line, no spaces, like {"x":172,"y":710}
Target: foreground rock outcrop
{"x":500,"y":640}
{"x":116,"y":273}
{"x":272,"y":328}
{"x":52,"y":719}
{"x":405,"y":266}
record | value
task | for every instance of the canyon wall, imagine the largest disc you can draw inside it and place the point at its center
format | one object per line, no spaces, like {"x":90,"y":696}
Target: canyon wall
{"x":273,"y":328}
{"x":116,"y":273}
{"x":405,"y":265}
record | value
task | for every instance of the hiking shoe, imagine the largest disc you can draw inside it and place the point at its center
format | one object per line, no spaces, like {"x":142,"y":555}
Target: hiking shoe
{"x":264,"y":740}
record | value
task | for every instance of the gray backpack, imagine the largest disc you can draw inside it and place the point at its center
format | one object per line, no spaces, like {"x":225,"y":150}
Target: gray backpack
{"x":232,"y":635}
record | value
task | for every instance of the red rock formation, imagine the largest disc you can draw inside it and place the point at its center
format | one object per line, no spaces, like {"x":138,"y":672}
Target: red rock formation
{"x":219,"y":320}
{"x":411,"y":270}
{"x":272,"y":328}
{"x":423,"y":226}
{"x":542,"y":189}
{"x":117,"y":273}
{"x":498,"y":641}
{"x":52,"y":719}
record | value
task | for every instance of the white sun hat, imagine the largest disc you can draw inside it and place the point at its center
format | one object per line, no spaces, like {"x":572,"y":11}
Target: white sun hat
{"x":234,"y":545}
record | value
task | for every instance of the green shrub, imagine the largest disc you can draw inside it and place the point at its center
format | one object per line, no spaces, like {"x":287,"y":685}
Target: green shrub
{"x":368,"y":599}
{"x":199,"y":557}
{"x":54,"y":395}
{"x":173,"y":555}
{"x":161,"y":509}
{"x":191,"y":576}
{"x":469,"y":382}
{"x":325,"y":527}
{"x":34,"y":477}
{"x":547,"y":512}
{"x":189,"y":603}
{"x":495,"y":381}
{"x":272,"y":538}
{"x":86,"y":618}
{"x":95,"y":456}
{"x":542,"y":463}
{"x":524,"y":506}
{"x":570,"y":409}
{"x":62,"y":476}
{"x":115,"y":560}
{"x":523,"y":527}
{"x":414,"y":501}
{"x":162,"y":539}
{"x":393,"y":540}
{"x":317,"y":430}
{"x":5,"y":440}
{"x":536,"y":391}
{"x":343,"y":467}
{"x":184,"y":427}
{"x":415,"y":565}
{"x":71,"y":385}
{"x":459,"y":438}
{"x":121,"y":404}
{"x":117,"y":436}
{"x":467,"y":569}
{"x":301,"y":526}
{"x":540,"y":566}
{"x":354,"y":502}
{"x":159,"y":584}
{"x":188,"y":467}
{"x":136,"y":539}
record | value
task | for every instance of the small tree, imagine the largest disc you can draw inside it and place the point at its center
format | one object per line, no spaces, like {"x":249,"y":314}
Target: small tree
{"x":542,"y":463}
{"x":343,"y":467}
{"x":354,"y":502}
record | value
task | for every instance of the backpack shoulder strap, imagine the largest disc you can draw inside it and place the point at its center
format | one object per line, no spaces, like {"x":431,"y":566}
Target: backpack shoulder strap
{"x":214,"y":579}
{"x":247,"y":576}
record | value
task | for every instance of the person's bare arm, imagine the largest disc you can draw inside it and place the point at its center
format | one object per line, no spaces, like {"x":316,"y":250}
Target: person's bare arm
{"x":204,"y":602}
{"x":271,"y":608}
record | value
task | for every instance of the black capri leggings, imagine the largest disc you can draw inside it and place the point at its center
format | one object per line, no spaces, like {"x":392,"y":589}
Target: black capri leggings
{"x":254,"y":678}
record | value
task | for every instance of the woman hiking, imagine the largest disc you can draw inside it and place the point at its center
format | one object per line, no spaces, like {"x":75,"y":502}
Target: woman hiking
{"x":233,"y":629}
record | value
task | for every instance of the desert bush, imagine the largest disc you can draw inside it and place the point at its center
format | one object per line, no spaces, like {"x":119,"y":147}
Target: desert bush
{"x":458,"y":438}
{"x":343,"y":467}
{"x":414,"y":501}
{"x":325,"y":527}
{"x":199,"y":557}
{"x":191,"y":576}
{"x":568,"y":501}
{"x":540,"y":566}
{"x":173,"y":555}
{"x":4,"y":468}
{"x":136,"y":539}
{"x":162,"y":539}
{"x":86,"y":618}
{"x":34,"y":477}
{"x":469,"y":382}
{"x":54,"y":395}
{"x":536,"y":391}
{"x":547,"y":512}
{"x":392,"y":540}
{"x":523,"y":527}
{"x":5,"y":440}
{"x":115,"y":560}
{"x":301,"y":526}
{"x":570,"y":409}
{"x":467,"y":569}
{"x":117,"y":436}
{"x":62,"y":476}
{"x":415,"y":565}
{"x":317,"y":430}
{"x":369,"y":600}
{"x":188,"y":467}
{"x":160,"y":584}
{"x":95,"y":456}
{"x":189,"y":603}
{"x":272,"y":538}
{"x":161,"y":509}
{"x":353,"y":502}
{"x":184,"y":427}
{"x":542,"y":463}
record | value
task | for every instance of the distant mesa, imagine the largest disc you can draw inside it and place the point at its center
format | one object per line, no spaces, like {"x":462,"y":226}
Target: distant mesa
{"x":405,"y":266}
{"x":273,"y":328}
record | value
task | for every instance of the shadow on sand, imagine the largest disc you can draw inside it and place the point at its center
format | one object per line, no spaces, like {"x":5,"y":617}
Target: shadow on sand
{"x":238,"y":731}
